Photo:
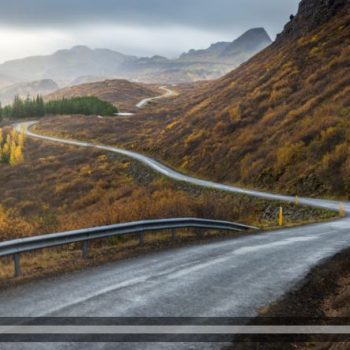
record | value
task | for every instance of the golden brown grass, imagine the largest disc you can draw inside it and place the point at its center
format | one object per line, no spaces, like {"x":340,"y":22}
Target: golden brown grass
{"x":60,"y":187}
{"x":122,"y":93}
{"x":280,"y":121}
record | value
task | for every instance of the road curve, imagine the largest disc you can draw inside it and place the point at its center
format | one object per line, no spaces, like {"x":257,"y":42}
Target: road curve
{"x":168,"y":93}
{"x":231,"y":278}
{"x":173,"y":174}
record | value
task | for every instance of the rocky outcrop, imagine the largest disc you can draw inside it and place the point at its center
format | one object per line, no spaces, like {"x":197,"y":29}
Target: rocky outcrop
{"x":311,"y":14}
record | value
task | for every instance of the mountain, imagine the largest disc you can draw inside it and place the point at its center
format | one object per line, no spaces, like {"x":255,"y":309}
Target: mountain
{"x":40,"y":87}
{"x":211,"y":53}
{"x":236,"y":52}
{"x":66,"y":67}
{"x":251,"y":42}
{"x":280,"y":120}
{"x":122,"y":93}
{"x":308,"y":19}
{"x":6,"y":80}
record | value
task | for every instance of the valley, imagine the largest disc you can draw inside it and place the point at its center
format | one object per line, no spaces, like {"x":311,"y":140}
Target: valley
{"x":235,"y":129}
{"x":126,"y":190}
{"x":253,"y":132}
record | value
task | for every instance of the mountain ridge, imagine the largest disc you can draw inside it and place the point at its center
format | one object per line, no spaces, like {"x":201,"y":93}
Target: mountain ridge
{"x":250,"y":42}
{"x":67,"y":65}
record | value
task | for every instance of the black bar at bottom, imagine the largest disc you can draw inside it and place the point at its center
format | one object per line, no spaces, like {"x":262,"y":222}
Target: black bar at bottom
{"x":168,"y":338}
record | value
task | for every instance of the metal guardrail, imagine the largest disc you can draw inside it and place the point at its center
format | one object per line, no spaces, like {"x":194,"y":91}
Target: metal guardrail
{"x":18,"y":246}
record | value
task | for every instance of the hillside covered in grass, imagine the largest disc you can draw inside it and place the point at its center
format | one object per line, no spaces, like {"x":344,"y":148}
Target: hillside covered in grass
{"x":122,"y":93}
{"x":282,"y":118}
{"x":280,"y":121}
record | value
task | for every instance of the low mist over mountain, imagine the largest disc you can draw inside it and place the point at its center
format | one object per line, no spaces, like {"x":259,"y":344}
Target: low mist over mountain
{"x":6,"y":80}
{"x":66,"y":65}
{"x":40,"y":87}
{"x":82,"y":64}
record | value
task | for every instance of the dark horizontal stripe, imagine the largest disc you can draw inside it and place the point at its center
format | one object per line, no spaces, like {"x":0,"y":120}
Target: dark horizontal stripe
{"x":164,"y":338}
{"x":216,"y":321}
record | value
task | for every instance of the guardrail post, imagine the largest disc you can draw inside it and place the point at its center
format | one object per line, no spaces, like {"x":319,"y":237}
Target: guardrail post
{"x":85,"y":249}
{"x":173,"y":234}
{"x":342,"y":211}
{"x":142,"y":238}
{"x":16,"y":260}
{"x":199,"y":233}
{"x":280,"y":216}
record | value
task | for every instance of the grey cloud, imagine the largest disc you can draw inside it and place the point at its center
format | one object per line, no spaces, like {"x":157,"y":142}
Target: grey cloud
{"x":203,"y":14}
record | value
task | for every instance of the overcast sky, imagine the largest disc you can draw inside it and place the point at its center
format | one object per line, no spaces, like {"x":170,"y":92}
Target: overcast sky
{"x":140,"y":27}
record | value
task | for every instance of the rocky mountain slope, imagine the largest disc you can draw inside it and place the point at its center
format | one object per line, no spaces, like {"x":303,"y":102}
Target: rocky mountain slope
{"x":281,"y":118}
{"x":280,"y":121}
{"x":122,"y":93}
{"x":83,"y":64}
{"x":311,"y":14}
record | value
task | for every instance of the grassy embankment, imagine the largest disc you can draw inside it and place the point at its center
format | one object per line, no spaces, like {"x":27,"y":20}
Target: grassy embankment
{"x":60,"y":187}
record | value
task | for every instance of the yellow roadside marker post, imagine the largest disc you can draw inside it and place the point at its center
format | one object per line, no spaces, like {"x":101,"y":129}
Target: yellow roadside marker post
{"x":341,"y":209}
{"x":280,"y":216}
{"x":296,"y":200}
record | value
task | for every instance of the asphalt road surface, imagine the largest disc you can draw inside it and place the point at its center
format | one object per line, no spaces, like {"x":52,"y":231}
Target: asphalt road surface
{"x":230,"y":278}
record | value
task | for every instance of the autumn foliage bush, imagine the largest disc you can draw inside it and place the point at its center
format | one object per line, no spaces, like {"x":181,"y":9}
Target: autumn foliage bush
{"x":76,"y":188}
{"x":11,"y":146}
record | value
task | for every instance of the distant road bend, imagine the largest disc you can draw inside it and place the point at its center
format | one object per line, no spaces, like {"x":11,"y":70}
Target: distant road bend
{"x":231,"y":278}
{"x":168,"y":93}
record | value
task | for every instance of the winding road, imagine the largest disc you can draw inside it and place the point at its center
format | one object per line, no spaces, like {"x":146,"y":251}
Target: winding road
{"x":230,"y":278}
{"x":168,"y":93}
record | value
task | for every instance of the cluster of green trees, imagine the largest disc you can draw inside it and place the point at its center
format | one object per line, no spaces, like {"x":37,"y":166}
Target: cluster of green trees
{"x":27,"y":108}
{"x":89,"y":105}
{"x":36,"y":107}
